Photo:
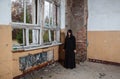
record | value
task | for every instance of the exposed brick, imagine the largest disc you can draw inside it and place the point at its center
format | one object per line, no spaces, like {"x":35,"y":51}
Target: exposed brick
{"x":76,"y":20}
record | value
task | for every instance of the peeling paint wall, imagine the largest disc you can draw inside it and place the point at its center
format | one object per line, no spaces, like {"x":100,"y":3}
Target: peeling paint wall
{"x":17,"y":55}
{"x":76,"y":19}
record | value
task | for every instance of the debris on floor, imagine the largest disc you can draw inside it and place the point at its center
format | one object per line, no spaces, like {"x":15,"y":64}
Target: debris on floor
{"x":101,"y":75}
{"x":86,"y":70}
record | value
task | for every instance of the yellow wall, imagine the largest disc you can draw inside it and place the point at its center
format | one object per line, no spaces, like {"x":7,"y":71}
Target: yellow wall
{"x":104,"y":45}
{"x":9,"y":61}
{"x":16,"y":56}
{"x":5,"y":52}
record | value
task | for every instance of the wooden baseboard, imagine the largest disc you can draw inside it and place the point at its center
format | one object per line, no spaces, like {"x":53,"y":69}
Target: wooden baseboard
{"x":103,"y":62}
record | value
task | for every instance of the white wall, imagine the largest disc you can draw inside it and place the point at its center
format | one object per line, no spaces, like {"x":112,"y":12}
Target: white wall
{"x":62,"y":14}
{"x":5,"y":12}
{"x":103,"y":15}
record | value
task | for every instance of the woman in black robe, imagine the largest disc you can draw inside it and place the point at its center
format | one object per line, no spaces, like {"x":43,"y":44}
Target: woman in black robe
{"x":70,"y":50}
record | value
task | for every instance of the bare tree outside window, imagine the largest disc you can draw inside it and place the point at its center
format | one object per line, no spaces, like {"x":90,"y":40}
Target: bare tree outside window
{"x":18,"y":16}
{"x":17,"y":10}
{"x":27,"y":23}
{"x":29,"y":11}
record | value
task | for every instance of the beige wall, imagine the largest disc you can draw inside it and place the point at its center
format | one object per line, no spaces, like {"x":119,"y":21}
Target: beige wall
{"x":5,"y":52}
{"x":9,"y":61}
{"x":104,"y":45}
{"x":16,"y":56}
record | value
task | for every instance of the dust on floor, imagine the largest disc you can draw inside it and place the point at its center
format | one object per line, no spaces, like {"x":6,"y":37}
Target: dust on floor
{"x":86,"y":70}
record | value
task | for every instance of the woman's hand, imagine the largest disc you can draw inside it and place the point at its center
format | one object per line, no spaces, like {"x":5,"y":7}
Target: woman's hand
{"x":75,"y":51}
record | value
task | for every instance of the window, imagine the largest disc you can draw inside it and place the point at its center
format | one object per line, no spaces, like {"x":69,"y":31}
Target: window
{"x":53,"y":35}
{"x":30,"y":29}
{"x":28,"y":17}
{"x":22,"y":11}
{"x":46,"y":36}
{"x":46,"y":14}
{"x":18,"y":10}
{"x":50,"y":22}
{"x":50,"y":15}
{"x":17,"y":36}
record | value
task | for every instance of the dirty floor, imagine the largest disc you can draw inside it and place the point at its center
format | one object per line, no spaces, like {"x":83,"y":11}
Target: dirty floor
{"x":86,"y":70}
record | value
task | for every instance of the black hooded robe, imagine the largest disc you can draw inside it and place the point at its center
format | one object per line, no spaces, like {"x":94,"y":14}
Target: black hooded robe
{"x":69,"y":47}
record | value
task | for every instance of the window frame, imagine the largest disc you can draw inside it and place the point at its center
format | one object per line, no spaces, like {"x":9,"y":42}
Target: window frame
{"x":37,"y":25}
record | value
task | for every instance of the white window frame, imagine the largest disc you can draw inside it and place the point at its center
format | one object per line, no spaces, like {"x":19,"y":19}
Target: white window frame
{"x":54,"y":28}
{"x":39,"y":26}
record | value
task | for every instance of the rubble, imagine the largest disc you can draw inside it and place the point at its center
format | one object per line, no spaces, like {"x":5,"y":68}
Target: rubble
{"x":86,"y":70}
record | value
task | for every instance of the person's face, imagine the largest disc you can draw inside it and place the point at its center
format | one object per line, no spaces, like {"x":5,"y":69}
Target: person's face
{"x":69,"y":33}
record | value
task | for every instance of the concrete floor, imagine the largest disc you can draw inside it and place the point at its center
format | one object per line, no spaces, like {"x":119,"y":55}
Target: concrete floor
{"x":87,"y":70}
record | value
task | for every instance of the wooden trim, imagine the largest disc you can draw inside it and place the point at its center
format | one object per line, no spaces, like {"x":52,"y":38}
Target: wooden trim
{"x":103,"y":62}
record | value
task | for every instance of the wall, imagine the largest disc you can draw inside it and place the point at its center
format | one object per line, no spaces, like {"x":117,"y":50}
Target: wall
{"x":5,"y":11}
{"x":9,"y":61}
{"x":104,"y":30}
{"x":104,"y":45}
{"x":5,"y":52}
{"x":62,"y":14}
{"x":17,"y":55}
{"x":76,"y":19}
{"x":103,"y":15}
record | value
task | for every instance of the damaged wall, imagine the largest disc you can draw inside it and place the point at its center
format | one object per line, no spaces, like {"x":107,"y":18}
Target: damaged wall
{"x":17,"y":55}
{"x":76,"y":19}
